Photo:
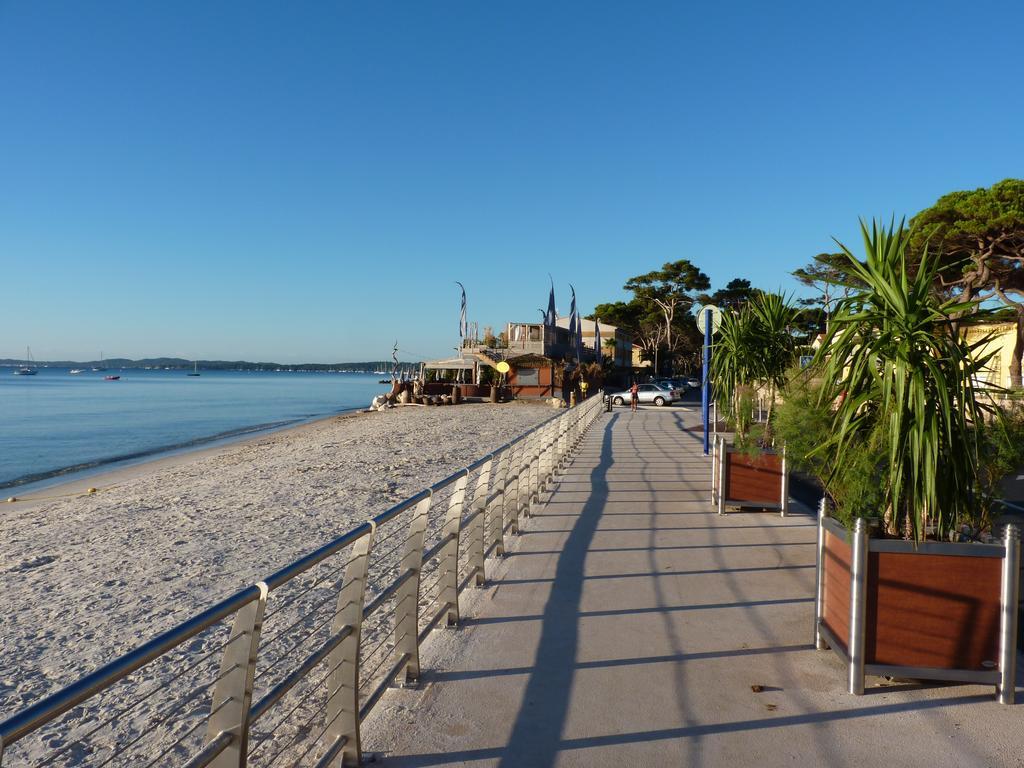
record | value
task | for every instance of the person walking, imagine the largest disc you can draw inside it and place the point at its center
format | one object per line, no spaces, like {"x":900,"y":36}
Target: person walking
{"x":583,"y":388}
{"x":634,"y":396}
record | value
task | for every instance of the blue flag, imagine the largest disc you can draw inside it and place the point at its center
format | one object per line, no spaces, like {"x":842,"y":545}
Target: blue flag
{"x":463,"y":325}
{"x":551,"y":316}
{"x":573,"y":323}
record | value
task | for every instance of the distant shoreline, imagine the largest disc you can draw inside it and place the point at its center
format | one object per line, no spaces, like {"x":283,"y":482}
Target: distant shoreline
{"x":180,"y":364}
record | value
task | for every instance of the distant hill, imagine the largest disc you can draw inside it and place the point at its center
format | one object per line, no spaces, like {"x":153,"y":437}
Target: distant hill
{"x":177,"y":363}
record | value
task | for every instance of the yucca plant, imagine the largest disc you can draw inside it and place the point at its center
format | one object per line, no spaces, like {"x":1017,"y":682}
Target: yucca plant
{"x":900,"y":377}
{"x":754,"y":349}
{"x":775,"y":345}
{"x":733,"y":364}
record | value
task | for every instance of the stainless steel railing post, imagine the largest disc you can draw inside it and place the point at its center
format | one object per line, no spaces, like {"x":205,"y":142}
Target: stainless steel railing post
{"x":714,"y":472}
{"x":496,"y":509}
{"x":475,"y":532}
{"x":232,"y":698}
{"x":723,"y":462}
{"x":819,"y":591}
{"x":858,"y":605}
{"x":449,"y":583}
{"x":407,"y":605}
{"x":564,"y":442}
{"x":1007,"y":689}
{"x":784,"y":501}
{"x":512,"y":504}
{"x":536,"y":457}
{"x":547,"y":457}
{"x":343,"y":661}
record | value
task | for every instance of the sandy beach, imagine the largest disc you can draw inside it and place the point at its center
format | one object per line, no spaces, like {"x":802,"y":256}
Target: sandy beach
{"x":86,"y":578}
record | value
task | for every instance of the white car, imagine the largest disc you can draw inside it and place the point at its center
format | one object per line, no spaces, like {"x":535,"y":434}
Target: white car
{"x":648,"y":393}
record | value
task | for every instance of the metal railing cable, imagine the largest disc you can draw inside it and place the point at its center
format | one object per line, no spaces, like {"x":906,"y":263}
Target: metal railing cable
{"x":473,"y":509}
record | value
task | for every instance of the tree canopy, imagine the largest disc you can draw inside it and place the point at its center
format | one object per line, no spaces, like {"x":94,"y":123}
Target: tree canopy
{"x":829,"y":274}
{"x":978,"y":238}
{"x":671,"y":292}
{"x":737,"y":292}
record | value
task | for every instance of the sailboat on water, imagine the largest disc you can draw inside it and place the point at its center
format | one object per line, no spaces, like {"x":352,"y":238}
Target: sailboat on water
{"x":195,"y":369}
{"x":29,"y":368}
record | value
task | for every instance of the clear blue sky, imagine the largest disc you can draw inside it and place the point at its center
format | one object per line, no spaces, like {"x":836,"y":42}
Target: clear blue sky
{"x":305,"y":181}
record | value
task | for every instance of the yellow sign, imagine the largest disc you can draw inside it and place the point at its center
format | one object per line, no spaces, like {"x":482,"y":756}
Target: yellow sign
{"x":503,"y":367}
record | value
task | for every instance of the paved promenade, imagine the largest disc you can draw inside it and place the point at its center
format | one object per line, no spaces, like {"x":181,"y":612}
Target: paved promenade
{"x":628,"y":624}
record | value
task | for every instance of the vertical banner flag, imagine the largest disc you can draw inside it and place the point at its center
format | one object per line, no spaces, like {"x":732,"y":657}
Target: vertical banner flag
{"x":579,"y":336}
{"x":463,"y":325}
{"x":597,"y":340}
{"x":551,"y":316}
{"x":573,"y":321}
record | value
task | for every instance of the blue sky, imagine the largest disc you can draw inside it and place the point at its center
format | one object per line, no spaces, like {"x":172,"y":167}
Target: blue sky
{"x":304,"y":182}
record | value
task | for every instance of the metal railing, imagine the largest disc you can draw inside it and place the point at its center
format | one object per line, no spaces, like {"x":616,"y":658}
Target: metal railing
{"x":288,"y":668}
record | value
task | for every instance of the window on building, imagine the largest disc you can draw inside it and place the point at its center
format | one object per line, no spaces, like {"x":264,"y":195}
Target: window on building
{"x":526,"y":377}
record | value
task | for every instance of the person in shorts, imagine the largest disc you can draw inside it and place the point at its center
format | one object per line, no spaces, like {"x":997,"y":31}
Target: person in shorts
{"x":634,"y":396}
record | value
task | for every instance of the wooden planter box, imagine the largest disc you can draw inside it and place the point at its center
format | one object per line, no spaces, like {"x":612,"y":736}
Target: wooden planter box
{"x":937,"y":611}
{"x":739,"y":480}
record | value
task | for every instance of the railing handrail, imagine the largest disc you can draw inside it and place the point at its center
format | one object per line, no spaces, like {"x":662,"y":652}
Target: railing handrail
{"x":53,"y":705}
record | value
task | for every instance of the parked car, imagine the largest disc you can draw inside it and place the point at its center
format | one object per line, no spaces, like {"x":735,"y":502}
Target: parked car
{"x":678,"y":385}
{"x":693,"y":382}
{"x":649,"y":393}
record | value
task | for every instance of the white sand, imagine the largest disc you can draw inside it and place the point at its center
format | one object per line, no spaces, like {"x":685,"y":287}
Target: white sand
{"x":86,"y":579}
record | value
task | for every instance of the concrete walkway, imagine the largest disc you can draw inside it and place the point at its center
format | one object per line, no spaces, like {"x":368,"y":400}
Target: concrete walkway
{"x":628,"y":624}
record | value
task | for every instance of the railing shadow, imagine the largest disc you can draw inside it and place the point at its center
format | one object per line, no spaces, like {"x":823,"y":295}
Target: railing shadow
{"x":537,"y":731}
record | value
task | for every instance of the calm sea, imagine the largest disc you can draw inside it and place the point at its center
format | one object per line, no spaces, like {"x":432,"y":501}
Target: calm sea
{"x":54,"y":424}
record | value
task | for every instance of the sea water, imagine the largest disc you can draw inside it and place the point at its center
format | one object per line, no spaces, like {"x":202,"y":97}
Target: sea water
{"x":56,"y":424}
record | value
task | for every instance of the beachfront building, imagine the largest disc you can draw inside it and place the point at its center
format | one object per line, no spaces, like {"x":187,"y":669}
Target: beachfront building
{"x":623,"y":354}
{"x":541,"y":359}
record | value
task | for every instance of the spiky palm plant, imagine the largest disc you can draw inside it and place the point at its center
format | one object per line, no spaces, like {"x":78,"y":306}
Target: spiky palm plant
{"x":733,"y":362}
{"x":903,"y":378}
{"x":753,"y":349}
{"x":775,"y":346}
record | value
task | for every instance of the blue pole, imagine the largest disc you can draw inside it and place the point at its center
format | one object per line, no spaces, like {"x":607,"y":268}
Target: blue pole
{"x":706,"y":382}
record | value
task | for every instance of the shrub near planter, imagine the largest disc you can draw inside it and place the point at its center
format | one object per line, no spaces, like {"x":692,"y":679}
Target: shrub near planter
{"x":741,"y":480}
{"x":934,"y":610}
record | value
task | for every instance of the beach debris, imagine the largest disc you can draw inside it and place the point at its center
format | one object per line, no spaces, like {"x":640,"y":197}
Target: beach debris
{"x":35,"y":562}
{"x":11,"y":499}
{"x":91,"y":490}
{"x":757,"y":688}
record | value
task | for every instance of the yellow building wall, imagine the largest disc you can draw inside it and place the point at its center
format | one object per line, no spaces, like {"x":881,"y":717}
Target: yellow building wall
{"x":1001,"y":345}
{"x":637,"y":362}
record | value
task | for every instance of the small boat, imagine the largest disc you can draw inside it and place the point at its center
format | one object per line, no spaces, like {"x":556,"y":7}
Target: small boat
{"x":28,"y":369}
{"x":111,"y":378}
{"x":75,"y":371}
{"x":195,"y":369}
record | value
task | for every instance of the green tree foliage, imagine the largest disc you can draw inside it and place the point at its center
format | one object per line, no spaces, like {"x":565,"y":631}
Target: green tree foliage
{"x":978,"y":237}
{"x":671,"y":292}
{"x":736,"y":293}
{"x":828,"y":275}
{"x":642,"y":321}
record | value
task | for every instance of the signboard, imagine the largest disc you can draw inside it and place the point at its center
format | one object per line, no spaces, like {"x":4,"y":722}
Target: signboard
{"x":716,"y":317}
